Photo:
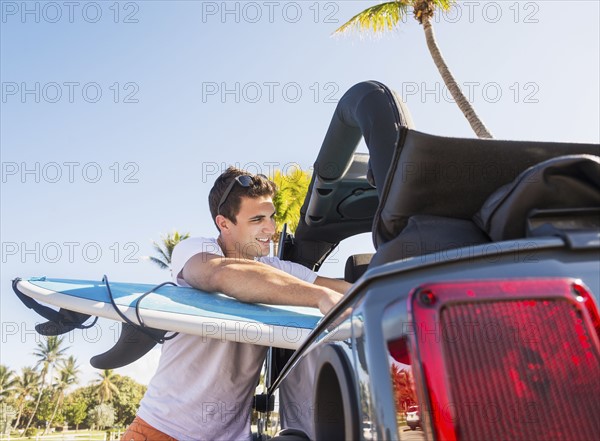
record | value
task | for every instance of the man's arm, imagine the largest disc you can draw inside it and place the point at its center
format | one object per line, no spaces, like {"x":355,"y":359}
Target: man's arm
{"x":340,"y":286}
{"x":255,"y":282}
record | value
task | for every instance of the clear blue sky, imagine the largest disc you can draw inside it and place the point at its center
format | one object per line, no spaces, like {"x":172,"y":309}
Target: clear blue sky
{"x":117,"y":116}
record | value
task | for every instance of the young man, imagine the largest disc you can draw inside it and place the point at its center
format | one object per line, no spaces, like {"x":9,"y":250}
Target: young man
{"x":203,"y":387}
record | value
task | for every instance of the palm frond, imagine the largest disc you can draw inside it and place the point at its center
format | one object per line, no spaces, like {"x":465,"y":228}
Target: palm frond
{"x":178,"y":237}
{"x":161,"y":251}
{"x":164,"y":249}
{"x":291,"y":191}
{"x":379,"y":18}
{"x":443,"y":4}
{"x":160,"y":263}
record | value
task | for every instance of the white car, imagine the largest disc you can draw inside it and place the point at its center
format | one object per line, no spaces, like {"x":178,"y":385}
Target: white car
{"x":412,"y":417}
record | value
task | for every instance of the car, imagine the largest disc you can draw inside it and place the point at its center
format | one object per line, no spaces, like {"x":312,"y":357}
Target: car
{"x":477,"y":311}
{"x":413,"y":420}
{"x":477,"y":316}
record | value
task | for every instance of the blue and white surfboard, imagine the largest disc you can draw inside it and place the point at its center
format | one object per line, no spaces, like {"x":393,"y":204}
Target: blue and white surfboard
{"x":179,"y":309}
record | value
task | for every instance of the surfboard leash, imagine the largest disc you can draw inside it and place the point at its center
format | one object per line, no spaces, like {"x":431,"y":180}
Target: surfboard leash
{"x":141,"y":326}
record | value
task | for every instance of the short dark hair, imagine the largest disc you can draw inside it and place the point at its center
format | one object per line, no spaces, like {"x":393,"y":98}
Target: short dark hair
{"x":231,"y":206}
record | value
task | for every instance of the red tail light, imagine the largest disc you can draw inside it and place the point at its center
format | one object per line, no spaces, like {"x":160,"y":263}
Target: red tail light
{"x":509,"y":359}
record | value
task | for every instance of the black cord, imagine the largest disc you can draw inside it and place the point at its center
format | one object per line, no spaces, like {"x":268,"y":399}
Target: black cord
{"x":137,"y":303}
{"x":82,"y":326}
{"x":141,"y":326}
{"x":137,"y":308}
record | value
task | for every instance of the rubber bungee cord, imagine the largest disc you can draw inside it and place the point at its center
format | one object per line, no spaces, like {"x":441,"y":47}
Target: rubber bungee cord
{"x":138,"y":326}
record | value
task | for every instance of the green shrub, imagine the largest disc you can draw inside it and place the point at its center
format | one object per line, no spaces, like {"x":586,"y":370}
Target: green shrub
{"x":31,"y":432}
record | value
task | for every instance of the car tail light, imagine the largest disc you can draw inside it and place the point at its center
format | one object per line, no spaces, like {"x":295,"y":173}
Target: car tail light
{"x":508,"y":359}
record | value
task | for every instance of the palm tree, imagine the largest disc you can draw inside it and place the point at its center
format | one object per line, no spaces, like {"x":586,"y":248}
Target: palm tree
{"x":387,"y":16}
{"x":165,"y":249}
{"x":25,"y":388}
{"x":66,"y":377}
{"x":8,"y":381}
{"x":403,"y":388}
{"x":48,"y":354}
{"x":291,"y":191}
{"x":105,"y":386}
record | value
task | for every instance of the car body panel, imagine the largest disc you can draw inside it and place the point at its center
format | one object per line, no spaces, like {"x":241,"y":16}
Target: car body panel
{"x":379,"y":303}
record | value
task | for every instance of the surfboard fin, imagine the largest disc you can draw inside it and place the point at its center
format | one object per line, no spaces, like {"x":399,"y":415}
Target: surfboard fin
{"x":132,"y":345}
{"x":68,"y":321}
{"x":59,"y":322}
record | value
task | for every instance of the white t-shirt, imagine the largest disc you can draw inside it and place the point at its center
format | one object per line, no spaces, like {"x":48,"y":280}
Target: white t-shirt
{"x":203,"y":387}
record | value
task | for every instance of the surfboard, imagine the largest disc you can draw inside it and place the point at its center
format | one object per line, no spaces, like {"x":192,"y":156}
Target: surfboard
{"x":179,"y":309}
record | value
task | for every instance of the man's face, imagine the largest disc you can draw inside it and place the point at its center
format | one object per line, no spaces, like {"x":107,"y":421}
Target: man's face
{"x":251,"y":236}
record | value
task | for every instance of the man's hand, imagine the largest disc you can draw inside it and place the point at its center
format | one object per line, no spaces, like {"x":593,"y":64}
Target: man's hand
{"x":329,"y":300}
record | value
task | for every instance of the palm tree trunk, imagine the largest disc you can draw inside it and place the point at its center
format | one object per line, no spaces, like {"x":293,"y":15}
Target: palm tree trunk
{"x":53,"y":415}
{"x":37,"y":403}
{"x":463,"y":104}
{"x":34,"y":410}
{"x":19,"y":415}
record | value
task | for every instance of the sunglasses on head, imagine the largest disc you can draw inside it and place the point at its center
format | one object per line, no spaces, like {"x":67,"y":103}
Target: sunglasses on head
{"x":243,"y":180}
